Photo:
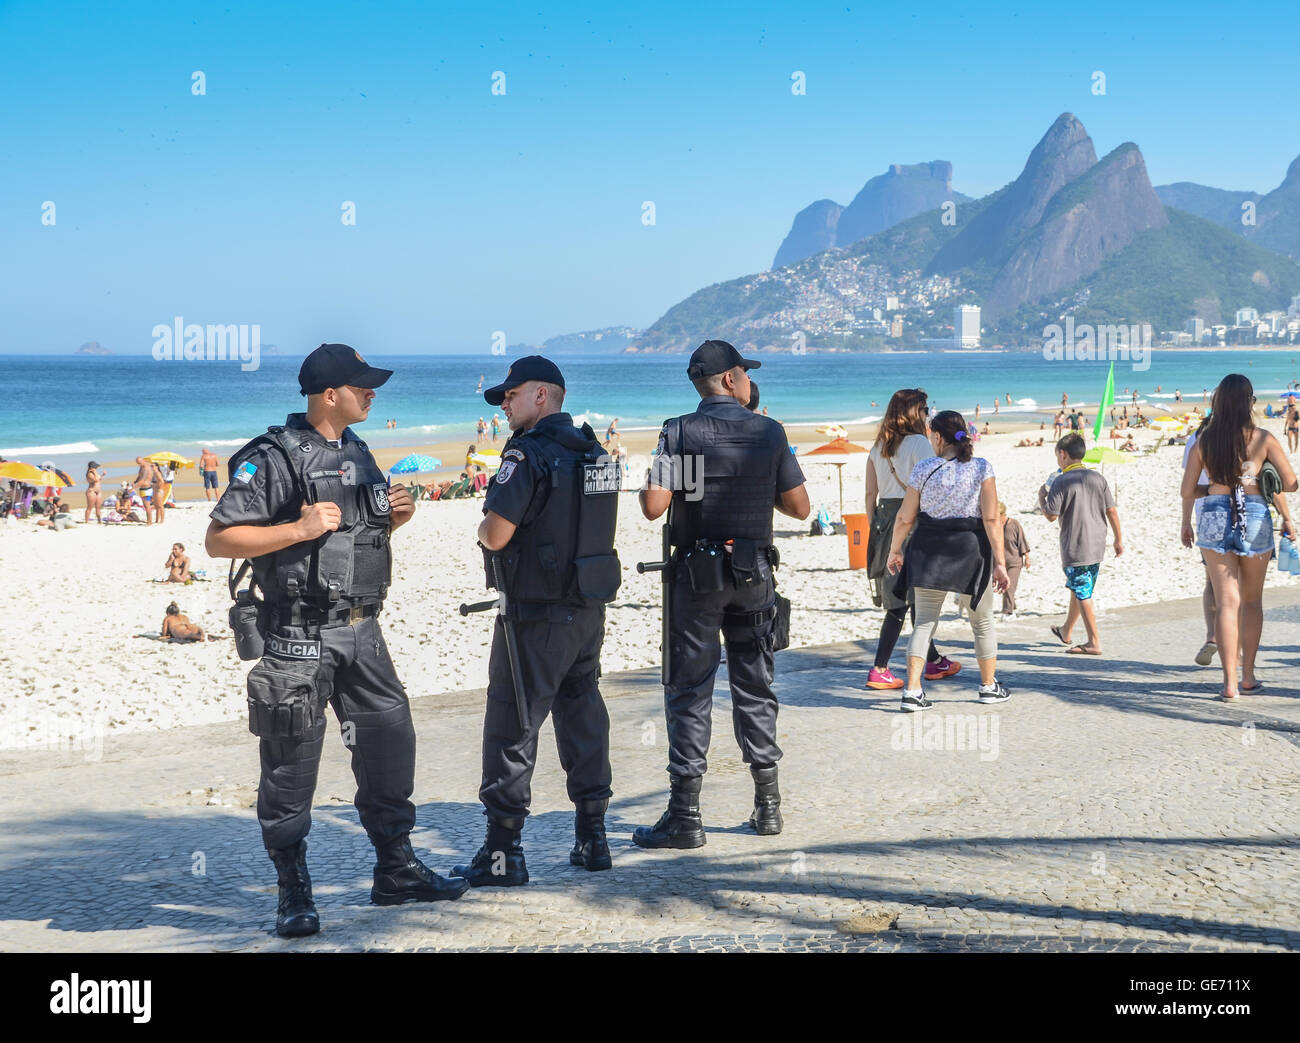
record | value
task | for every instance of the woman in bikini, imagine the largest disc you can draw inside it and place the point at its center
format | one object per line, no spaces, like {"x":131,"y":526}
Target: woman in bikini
{"x":178,"y":565}
{"x":176,"y":624}
{"x":94,"y":494}
{"x":1292,"y":426}
{"x":1235,"y":527}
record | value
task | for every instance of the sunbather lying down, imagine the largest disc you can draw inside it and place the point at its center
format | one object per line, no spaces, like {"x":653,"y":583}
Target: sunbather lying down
{"x":176,"y":625}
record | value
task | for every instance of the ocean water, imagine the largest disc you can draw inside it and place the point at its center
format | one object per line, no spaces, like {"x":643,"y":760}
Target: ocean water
{"x":67,"y":409}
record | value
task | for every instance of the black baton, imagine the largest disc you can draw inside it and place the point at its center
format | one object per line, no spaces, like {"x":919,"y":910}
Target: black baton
{"x":512,"y":648}
{"x":665,"y":567}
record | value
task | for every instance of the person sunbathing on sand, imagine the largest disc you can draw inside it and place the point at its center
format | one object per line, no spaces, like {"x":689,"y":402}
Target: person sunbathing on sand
{"x":176,"y":624}
{"x":1129,"y":446}
{"x":178,"y":565}
{"x":1027,"y":442}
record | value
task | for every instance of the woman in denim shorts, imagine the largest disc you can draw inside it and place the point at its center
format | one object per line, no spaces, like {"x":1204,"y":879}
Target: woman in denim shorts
{"x":1234,"y":528}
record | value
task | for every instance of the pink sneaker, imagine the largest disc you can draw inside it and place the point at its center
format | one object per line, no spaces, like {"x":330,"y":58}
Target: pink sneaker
{"x":882,"y":679}
{"x":941,"y":668}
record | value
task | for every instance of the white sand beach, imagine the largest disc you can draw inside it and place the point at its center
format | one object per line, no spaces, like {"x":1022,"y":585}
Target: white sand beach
{"x":76,"y":600}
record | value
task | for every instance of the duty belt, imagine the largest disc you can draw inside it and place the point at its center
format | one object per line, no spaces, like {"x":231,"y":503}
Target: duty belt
{"x":769,"y":554}
{"x":310,"y":616}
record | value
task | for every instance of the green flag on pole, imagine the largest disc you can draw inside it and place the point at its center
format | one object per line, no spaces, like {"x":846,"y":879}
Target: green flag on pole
{"x":1107,"y":400}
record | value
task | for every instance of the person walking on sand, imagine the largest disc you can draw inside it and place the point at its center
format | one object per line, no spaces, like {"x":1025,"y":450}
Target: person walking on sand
{"x":208,"y":464}
{"x":1016,"y":545}
{"x":150,"y":475}
{"x":1292,"y":425}
{"x":1058,"y":425}
{"x":1235,"y":529}
{"x":1081,"y":499}
{"x":952,"y":501}
{"x":481,"y":431}
{"x":901,"y":445}
{"x":496,"y":427}
{"x":94,"y":493}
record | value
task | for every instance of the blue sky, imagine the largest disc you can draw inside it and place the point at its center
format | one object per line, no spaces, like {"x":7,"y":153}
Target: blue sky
{"x":523,"y":212}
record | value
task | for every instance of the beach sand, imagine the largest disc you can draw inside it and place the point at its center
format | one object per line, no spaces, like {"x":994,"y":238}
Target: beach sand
{"x":71,"y":660}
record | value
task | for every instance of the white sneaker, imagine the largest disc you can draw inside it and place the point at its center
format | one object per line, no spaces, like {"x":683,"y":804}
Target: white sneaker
{"x":914,"y":701}
{"x":993,"y":693}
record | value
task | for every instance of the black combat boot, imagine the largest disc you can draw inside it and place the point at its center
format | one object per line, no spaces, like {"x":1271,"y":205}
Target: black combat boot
{"x":295,"y":914}
{"x":680,"y":825}
{"x":500,"y":861}
{"x":590,"y":849}
{"x":766,"y":818}
{"x":401,"y":877}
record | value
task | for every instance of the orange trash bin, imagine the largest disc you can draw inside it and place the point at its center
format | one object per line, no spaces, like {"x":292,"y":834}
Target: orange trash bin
{"x":858,"y":528}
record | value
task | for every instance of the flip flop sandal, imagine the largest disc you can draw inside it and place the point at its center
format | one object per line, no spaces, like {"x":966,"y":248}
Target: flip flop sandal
{"x":1059,"y":636}
{"x":1252,"y":689}
{"x":1080,"y":650}
{"x":1224,"y":697}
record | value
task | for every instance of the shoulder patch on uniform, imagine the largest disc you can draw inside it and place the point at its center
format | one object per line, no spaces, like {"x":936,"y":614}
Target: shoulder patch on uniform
{"x":513,"y":454}
{"x":507,"y":469}
{"x":245,"y":472}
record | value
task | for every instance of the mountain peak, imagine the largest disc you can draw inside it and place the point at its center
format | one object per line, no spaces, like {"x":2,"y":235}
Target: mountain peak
{"x":1293,"y":171}
{"x":1061,"y":155}
{"x":902,"y":191}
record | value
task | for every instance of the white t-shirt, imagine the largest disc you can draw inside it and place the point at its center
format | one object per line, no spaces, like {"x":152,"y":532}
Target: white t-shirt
{"x":912,"y":450}
{"x":950,"y":489}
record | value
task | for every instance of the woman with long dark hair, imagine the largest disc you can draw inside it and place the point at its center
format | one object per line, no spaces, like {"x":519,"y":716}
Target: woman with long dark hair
{"x":952,"y":500}
{"x":1234,"y":529}
{"x":900,"y":445}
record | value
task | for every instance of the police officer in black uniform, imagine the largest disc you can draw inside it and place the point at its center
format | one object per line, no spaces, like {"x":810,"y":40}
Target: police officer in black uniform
{"x":721,"y":470}
{"x":548,"y":541}
{"x":312,"y":510}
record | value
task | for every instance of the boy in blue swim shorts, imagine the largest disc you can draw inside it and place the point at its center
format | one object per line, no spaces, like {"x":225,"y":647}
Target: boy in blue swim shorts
{"x":1081,"y":499}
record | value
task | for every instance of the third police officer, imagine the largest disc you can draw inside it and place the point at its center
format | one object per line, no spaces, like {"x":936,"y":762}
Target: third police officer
{"x":548,"y":546}
{"x":720,"y":472}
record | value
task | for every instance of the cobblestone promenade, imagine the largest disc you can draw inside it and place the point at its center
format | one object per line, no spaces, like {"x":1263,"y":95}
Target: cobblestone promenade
{"x":1111,"y":804}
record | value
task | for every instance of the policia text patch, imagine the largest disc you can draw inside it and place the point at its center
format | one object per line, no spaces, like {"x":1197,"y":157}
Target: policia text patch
{"x":601,"y":478}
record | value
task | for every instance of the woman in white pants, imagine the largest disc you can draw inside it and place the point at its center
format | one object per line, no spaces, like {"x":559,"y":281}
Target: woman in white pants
{"x":952,"y":500}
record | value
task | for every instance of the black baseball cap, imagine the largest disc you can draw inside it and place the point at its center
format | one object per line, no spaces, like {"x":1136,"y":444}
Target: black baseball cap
{"x":714,"y":357}
{"x":530,"y":367}
{"x":333,"y":366}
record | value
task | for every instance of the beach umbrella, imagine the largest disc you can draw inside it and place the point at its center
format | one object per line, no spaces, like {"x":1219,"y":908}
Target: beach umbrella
{"x":1104,"y":454}
{"x":835,"y":431}
{"x":20,"y":472}
{"x":837,"y":452}
{"x":488,"y":461}
{"x":168,"y":457}
{"x":415,"y":463}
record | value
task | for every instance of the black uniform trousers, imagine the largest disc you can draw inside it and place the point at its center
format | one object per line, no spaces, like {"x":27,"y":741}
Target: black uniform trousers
{"x":375,"y":720}
{"x":560,"y":663}
{"x":695,"y":621}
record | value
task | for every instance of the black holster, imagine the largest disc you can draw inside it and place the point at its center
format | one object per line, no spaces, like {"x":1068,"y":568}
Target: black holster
{"x":286,"y":698}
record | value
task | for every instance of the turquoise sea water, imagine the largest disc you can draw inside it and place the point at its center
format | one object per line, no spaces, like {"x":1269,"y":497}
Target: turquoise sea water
{"x":68,"y":409}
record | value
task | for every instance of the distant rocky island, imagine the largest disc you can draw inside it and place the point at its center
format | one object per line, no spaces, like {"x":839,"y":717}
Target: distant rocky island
{"x":92,"y":347}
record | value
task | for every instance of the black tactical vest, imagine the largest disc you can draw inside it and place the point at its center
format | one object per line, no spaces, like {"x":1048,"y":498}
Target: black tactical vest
{"x":734,"y":464}
{"x":566,"y":552}
{"x":351,"y":566}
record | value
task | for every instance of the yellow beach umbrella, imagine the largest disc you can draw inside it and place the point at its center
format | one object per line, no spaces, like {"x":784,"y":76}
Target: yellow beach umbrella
{"x":169,"y":457}
{"x":12,"y":470}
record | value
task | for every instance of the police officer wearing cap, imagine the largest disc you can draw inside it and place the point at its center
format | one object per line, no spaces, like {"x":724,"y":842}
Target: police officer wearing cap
{"x":310,"y":508}
{"x":719,"y":472}
{"x":548,"y":542}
